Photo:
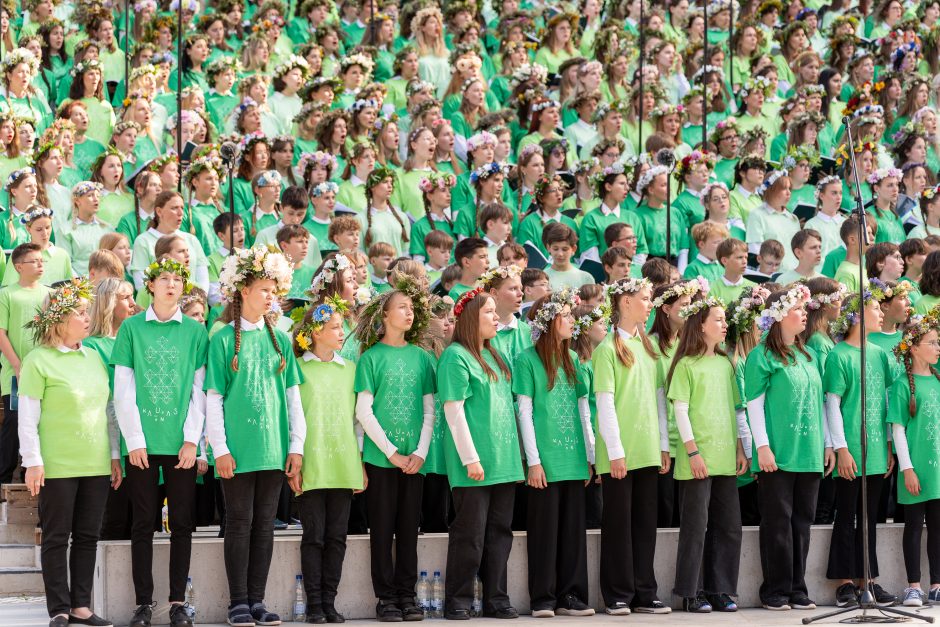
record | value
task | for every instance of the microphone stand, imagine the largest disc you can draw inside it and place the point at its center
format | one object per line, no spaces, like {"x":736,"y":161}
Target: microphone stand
{"x":866,"y":601}
{"x":179,"y":94}
{"x":704,"y":91}
{"x":642,"y":45}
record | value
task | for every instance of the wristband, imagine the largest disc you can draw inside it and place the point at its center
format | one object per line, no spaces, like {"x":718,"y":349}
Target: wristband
{"x":693,"y":453}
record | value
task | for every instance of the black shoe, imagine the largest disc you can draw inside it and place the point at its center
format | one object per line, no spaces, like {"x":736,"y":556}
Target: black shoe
{"x":240,"y":616}
{"x":800,"y":601}
{"x":883,"y":598}
{"x":315,"y":615}
{"x":410,"y":611}
{"x":263,"y":617}
{"x":457,"y":615}
{"x":503,"y":612}
{"x":59,"y":621}
{"x":279,"y":525}
{"x":571,"y":605}
{"x":847,"y":595}
{"x":142,"y":616}
{"x":696,"y":605}
{"x":92,"y":621}
{"x":655,"y":607}
{"x":776,"y":604}
{"x":332,"y":616}
{"x":179,"y":617}
{"x":722,"y":602}
{"x":388,"y":612}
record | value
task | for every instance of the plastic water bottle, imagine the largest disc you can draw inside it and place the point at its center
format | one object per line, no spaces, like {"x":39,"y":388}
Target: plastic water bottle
{"x":437,"y":596}
{"x":300,"y":605}
{"x":166,"y":517}
{"x":190,"y":599}
{"x":476,"y":608}
{"x":423,"y":592}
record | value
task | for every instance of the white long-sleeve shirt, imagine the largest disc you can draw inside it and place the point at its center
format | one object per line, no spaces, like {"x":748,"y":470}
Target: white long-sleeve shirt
{"x":365,"y":416}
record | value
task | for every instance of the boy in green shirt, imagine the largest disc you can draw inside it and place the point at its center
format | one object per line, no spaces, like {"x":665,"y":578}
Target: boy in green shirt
{"x":807,"y":248}
{"x":847,"y":272}
{"x":561,"y":241}
{"x":380,"y":258}
{"x":707,"y":236}
{"x":231,"y":238}
{"x":732,"y":254}
{"x":472,"y":258}
{"x":439,"y":246}
{"x":616,"y":264}
{"x":18,"y":304}
{"x":57,"y":265}
{"x":294,"y":240}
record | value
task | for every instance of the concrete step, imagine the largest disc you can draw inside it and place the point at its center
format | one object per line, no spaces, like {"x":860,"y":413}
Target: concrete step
{"x":17,"y":534}
{"x":21,"y":580}
{"x":18,"y":555}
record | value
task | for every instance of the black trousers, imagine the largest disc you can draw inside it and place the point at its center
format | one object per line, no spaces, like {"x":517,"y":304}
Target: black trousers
{"x":845,"y":548}
{"x":787,"y":507}
{"x":435,"y":504}
{"x":70,"y":509}
{"x":826,"y":502}
{"x":9,"y":442}
{"x":628,"y":537}
{"x":324,"y":515}
{"x":210,"y":506}
{"x":143,"y":487}
{"x":709,"y":553}
{"x":117,"y":515}
{"x":556,"y":544}
{"x":480,"y":540}
{"x":393,"y":501}
{"x":667,"y":494}
{"x":747,"y":500}
{"x":914,"y":516}
{"x":250,"y":504}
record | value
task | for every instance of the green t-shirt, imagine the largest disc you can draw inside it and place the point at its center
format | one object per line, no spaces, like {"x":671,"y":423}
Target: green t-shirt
{"x":728,"y":293}
{"x":164,"y":357}
{"x":18,"y":305}
{"x":793,"y":408}
{"x":843,"y":377}
{"x":435,"y":463}
{"x":634,"y":392}
{"x":257,"y":430}
{"x":558,"y":434}
{"x":398,"y":377}
{"x":819,"y":345}
{"x":511,"y":341}
{"x":458,"y":290}
{"x":573,"y":278}
{"x":103,"y":346}
{"x":331,"y":452}
{"x":887,"y":342}
{"x":923,"y":441}
{"x":490,"y":418}
{"x":72,"y":388}
{"x":708,"y":385}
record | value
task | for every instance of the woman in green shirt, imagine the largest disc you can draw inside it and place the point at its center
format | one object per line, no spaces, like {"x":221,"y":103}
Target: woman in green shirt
{"x":885,"y":187}
{"x":483,"y":461}
{"x":254,"y":423}
{"x":436,"y":192}
{"x":395,"y":408}
{"x":705,"y":396}
{"x":823,"y":309}
{"x":69,"y":456}
{"x":784,"y":405}
{"x":558,"y":439}
{"x":631,"y":452}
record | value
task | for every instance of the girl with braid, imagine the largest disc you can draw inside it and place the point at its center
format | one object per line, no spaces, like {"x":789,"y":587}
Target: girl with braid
{"x":436,"y":193}
{"x":382,"y":222}
{"x":255,"y":423}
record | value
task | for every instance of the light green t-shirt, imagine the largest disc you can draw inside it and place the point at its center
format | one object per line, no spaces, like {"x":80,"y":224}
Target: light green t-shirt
{"x":558,"y":434}
{"x":398,"y":378}
{"x":793,"y":408}
{"x":18,"y":305}
{"x":57,"y":266}
{"x":72,"y":388}
{"x":847,"y":275}
{"x":708,"y":385}
{"x":164,"y":357}
{"x":257,"y":429}
{"x":922,"y":431}
{"x":728,"y":293}
{"x":634,"y":392}
{"x":490,"y":418}
{"x":843,"y":377}
{"x":511,"y":341}
{"x":331,"y":452}
{"x":573,"y":278}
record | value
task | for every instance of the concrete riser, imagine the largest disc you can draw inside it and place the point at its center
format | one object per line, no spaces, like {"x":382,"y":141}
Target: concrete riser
{"x":114,"y":594}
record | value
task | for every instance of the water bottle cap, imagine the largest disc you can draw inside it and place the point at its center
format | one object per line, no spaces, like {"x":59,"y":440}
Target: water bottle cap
{"x":189,"y":580}
{"x":437,"y":573}
{"x":299,"y":577}
{"x":424,"y":573}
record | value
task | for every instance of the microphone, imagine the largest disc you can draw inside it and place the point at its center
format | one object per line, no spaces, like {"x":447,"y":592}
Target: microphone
{"x":666,"y":158}
{"x":229,"y":153}
{"x":846,"y":120}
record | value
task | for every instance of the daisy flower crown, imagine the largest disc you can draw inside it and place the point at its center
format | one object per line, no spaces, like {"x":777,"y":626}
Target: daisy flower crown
{"x":823,"y":182}
{"x":34,"y":213}
{"x":16,"y":175}
{"x":257,"y":262}
{"x":626,"y":286}
{"x":551,"y":310}
{"x":821,"y":300}
{"x":528,"y":72}
{"x":323,"y":188}
{"x":21,"y":55}
{"x":200,"y":165}
{"x":881,"y":174}
{"x":648,"y":176}
{"x":437,"y":181}
{"x":687,"y":288}
{"x":322,"y":314}
{"x":363,"y":103}
{"x":483,"y":138}
{"x":498,"y":273}
{"x":309,"y":159}
{"x":84,"y":66}
{"x":707,"y":190}
{"x":269,"y":178}
{"x":779,"y":310}
{"x":63,"y":301}
{"x":770,"y":180}
{"x":706,"y":303}
{"x":545,"y":104}
{"x":86,"y":187}
{"x":326,"y":275}
{"x":586,"y":321}
{"x":170,"y":266}
{"x":744,"y":310}
{"x":356,"y":59}
{"x":918,"y":327}
{"x":667,"y":109}
{"x":803,"y":152}
{"x":293,"y":61}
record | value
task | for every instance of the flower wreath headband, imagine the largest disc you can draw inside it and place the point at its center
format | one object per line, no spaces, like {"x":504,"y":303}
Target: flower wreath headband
{"x":775,"y":176}
{"x":432,"y":182}
{"x":466,"y":298}
{"x":746,"y":308}
{"x":687,"y":288}
{"x":707,"y":190}
{"x":490,"y":169}
{"x":326,"y":275}
{"x":849,"y":315}
{"x":498,"y":273}
{"x":34,"y":213}
{"x":779,"y":310}
{"x":16,"y":175}
{"x":626,"y":286}
{"x":63,"y":301}
{"x":322,"y":314}
{"x":706,"y":303}
{"x":884,"y":292}
{"x":648,"y":177}
{"x":324,"y":188}
{"x":823,"y":182}
{"x":817,"y":301}
{"x":918,"y":328}
{"x":586,"y":321}
{"x":882,"y":173}
{"x":170,"y":266}
{"x":257,"y":262}
{"x":550,"y":310}
{"x":370,"y":328}
{"x":478,"y":140}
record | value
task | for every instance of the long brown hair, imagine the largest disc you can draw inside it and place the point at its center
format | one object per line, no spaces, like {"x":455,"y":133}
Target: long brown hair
{"x":624,"y":354}
{"x":774,"y":343}
{"x":467,"y":334}
{"x":692,"y":340}
{"x":662,"y":327}
{"x":815,"y":317}
{"x":552,"y":350}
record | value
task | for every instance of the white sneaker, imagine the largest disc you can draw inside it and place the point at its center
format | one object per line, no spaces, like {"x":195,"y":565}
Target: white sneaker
{"x":913,"y":597}
{"x":618,"y":609}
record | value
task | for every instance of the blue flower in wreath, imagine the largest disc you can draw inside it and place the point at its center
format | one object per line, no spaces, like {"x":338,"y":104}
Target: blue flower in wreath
{"x":322,"y":313}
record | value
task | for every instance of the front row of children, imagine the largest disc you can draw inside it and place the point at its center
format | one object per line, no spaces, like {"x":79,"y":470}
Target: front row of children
{"x":435,"y":395}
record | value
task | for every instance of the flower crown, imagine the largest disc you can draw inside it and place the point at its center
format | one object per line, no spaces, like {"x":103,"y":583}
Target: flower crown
{"x":722,"y":126}
{"x":383,"y":119}
{"x":487,"y":170}
{"x":63,"y":301}
{"x":930,"y":192}
{"x":293,"y":61}
{"x":86,"y":187}
{"x":584,"y":166}
{"x":882,"y":173}
{"x":363,"y":103}
{"x":34,"y":213}
{"x":667,"y":109}
{"x":647,"y":177}
{"x":821,"y":300}
{"x":326,"y":274}
{"x":221,"y":65}
{"x":191,"y":5}
{"x":424,"y":14}
{"x":200,"y":165}
{"x":144,"y":70}
{"x":464,"y":299}
{"x":587,"y":321}
{"x":492,"y":275}
{"x":605,"y":108}
{"x":779,"y":310}
{"x":707,"y":190}
{"x":693,"y":159}
{"x":823,"y":182}
{"x":774,"y":176}
{"x":356,"y":59}
{"x":16,"y":175}
{"x":379,"y":174}
{"x":257,"y":262}
{"x":545,"y":104}
{"x":706,"y":303}
{"x":745,"y":310}
{"x":803,"y":152}
{"x":248,"y":141}
{"x":170,"y":266}
{"x":323,"y":188}
{"x":464,"y":86}
{"x":849,"y":315}
{"x":21,"y":55}
{"x":269,"y":178}
{"x":437,"y":181}
{"x":483,"y":138}
{"x":309,"y":159}
{"x":708,"y":68}
{"x":243,"y":106}
{"x":528,"y":72}
{"x":613,"y":169}
{"x":322,"y":314}
{"x":550,"y":310}
{"x":84,"y":66}
{"x":416,"y":86}
{"x":758,"y":83}
{"x":686,"y":288}
{"x":629,"y":285}
{"x":918,"y":327}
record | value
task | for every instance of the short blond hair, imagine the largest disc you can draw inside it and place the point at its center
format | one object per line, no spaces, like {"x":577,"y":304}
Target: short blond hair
{"x":704,"y":231}
{"x":103,"y":261}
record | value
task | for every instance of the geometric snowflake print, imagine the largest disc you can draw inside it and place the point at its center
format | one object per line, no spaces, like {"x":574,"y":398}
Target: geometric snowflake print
{"x":400,"y":394}
{"x":931,"y":417}
{"x":874,"y":405}
{"x":563,"y":414}
{"x":804,"y":420}
{"x":257,"y":373}
{"x":162,"y":377}
{"x":332,"y":443}
{"x":504,"y":417}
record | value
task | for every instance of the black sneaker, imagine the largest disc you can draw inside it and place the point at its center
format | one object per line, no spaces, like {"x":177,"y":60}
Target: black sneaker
{"x":388,"y":612}
{"x":656,"y":607}
{"x":263,"y":617}
{"x":142,"y":616}
{"x":503,"y":612}
{"x":332,"y":616}
{"x":883,"y":598}
{"x":410,"y":611}
{"x":59,"y":621}
{"x":800,"y":601}
{"x":314,"y":615}
{"x":571,"y":605}
{"x":722,"y":602}
{"x":775,"y":604}
{"x":457,"y":614}
{"x":92,"y":621}
{"x":240,"y":616}
{"x":179,"y":617}
{"x":847,"y":595}
{"x":696,"y":605}
{"x":618,"y":608}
